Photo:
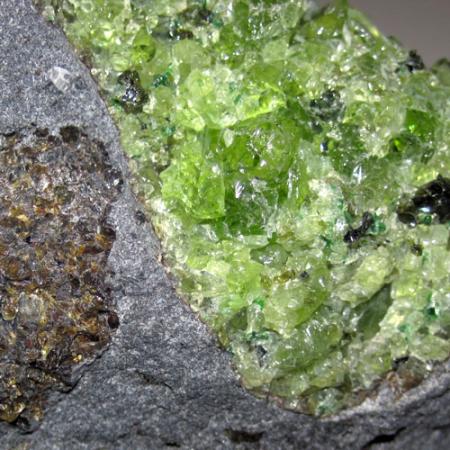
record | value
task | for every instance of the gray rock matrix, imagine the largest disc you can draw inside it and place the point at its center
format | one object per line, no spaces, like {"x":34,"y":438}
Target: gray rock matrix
{"x":163,"y":382}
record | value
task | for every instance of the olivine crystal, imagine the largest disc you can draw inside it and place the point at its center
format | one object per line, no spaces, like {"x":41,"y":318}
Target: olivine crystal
{"x":295,"y":163}
{"x":56,"y":311}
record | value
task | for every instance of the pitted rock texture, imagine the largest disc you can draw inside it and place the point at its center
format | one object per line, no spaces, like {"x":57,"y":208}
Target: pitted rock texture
{"x":163,"y":382}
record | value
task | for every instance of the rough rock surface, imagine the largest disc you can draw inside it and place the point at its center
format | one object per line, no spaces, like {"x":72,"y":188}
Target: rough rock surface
{"x":163,"y":382}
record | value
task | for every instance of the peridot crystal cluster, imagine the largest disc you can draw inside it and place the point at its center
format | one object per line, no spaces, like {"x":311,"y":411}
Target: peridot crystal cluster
{"x":296,"y":167}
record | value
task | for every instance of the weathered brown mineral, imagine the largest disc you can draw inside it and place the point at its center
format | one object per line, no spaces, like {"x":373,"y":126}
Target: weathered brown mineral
{"x":56,"y":312}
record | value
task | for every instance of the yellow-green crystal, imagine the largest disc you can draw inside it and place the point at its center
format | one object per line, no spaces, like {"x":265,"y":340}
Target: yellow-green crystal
{"x":295,"y":164}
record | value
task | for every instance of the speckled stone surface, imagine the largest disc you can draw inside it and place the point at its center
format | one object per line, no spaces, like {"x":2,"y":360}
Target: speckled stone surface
{"x":163,"y":382}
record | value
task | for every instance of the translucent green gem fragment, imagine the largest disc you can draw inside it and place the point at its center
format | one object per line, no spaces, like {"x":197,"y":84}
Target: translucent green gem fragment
{"x":296,"y":167}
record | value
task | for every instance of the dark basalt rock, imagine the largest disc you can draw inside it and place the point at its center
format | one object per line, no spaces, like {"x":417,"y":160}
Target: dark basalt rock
{"x":133,"y":97}
{"x":414,"y":62}
{"x":432,"y":199}
{"x":328,"y":106}
{"x":354,"y":234}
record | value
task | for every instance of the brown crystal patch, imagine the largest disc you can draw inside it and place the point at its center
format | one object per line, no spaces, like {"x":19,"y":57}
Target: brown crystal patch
{"x":56,"y":311}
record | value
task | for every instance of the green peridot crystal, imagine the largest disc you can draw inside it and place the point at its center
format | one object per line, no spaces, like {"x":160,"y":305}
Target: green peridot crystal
{"x":296,"y":167}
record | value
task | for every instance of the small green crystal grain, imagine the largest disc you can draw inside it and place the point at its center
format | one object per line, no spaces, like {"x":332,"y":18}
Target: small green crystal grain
{"x":296,"y":167}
